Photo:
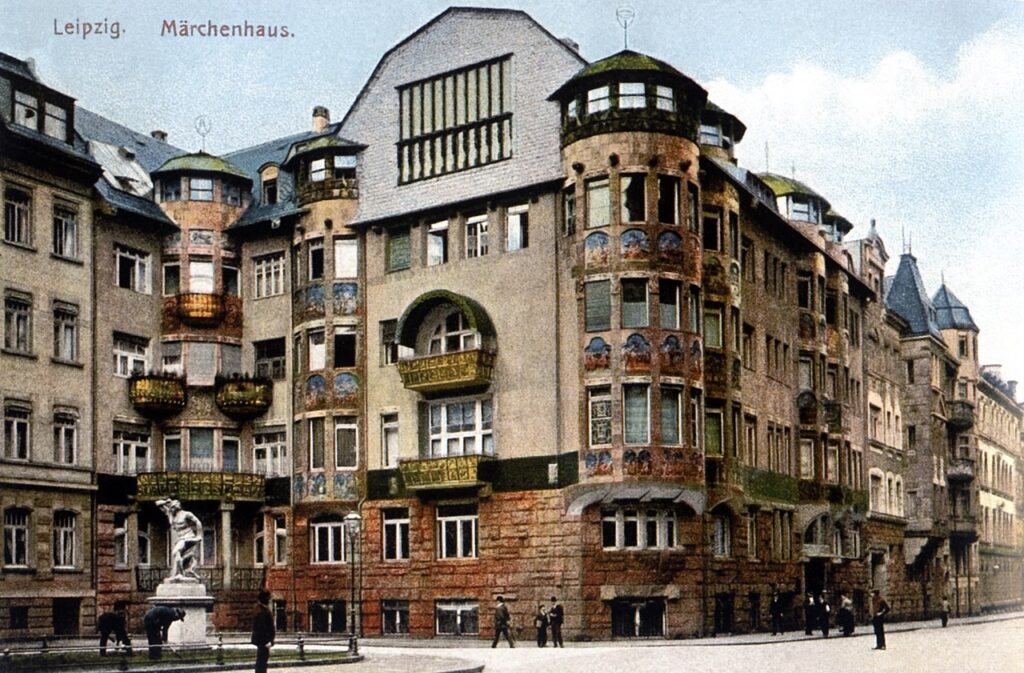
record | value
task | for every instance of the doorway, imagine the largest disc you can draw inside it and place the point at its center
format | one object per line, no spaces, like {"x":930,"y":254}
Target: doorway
{"x":638,"y":618}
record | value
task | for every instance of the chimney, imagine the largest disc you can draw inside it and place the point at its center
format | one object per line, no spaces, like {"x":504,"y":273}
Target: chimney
{"x":159,"y":135}
{"x":30,"y":65}
{"x":321,"y":118}
{"x":1011,"y":386}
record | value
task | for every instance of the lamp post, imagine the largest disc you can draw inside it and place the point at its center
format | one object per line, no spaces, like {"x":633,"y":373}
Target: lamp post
{"x":352,"y":523}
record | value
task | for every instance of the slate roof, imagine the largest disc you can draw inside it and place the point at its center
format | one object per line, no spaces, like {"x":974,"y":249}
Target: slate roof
{"x":952,"y":313}
{"x":200,"y":162}
{"x":907,"y":297}
{"x":751,"y":182}
{"x":16,"y":66}
{"x":712,"y":111}
{"x":782,"y":186}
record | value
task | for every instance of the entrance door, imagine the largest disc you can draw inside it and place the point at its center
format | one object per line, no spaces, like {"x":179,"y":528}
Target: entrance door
{"x":724,"y":606}
{"x":65,"y":616}
{"x":638,"y":618}
{"x":815,"y":577}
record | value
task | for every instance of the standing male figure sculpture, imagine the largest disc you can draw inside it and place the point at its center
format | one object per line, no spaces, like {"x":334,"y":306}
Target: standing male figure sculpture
{"x":187,"y":533}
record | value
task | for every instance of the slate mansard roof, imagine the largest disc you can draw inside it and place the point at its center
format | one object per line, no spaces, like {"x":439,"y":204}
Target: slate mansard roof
{"x":907,"y":297}
{"x":952,"y":313}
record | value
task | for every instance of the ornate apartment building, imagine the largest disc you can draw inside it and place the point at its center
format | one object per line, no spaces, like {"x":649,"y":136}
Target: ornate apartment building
{"x":522,"y":313}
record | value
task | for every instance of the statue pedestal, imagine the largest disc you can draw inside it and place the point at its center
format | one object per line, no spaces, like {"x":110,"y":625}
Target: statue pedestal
{"x":190,"y":597}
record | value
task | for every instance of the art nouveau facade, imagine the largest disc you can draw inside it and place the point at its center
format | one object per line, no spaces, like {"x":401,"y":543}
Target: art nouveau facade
{"x":528,"y":317}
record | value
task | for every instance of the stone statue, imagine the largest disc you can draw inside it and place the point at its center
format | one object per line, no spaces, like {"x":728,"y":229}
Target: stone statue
{"x":186,"y":534}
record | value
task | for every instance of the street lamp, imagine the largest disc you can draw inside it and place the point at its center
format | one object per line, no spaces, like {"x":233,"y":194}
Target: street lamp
{"x":352,"y":522}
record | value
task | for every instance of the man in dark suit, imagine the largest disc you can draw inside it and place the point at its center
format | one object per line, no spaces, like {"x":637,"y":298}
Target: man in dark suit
{"x":157,"y":620}
{"x":556,"y":615}
{"x":777,"y":611}
{"x":501,"y":623}
{"x":113,"y":623}
{"x":263,"y":631}
{"x":879,"y":609}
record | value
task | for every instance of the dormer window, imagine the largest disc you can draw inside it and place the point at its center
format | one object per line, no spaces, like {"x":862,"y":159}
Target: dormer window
{"x":26,"y":110}
{"x":665,"y":98}
{"x":170,"y":189}
{"x":345,"y":167}
{"x":55,"y":123}
{"x":200,"y":189}
{"x":804,"y":208}
{"x":631,"y":95}
{"x":598,"y":99}
{"x":270,"y":192}
{"x":710,"y":134}
{"x":318,"y":170}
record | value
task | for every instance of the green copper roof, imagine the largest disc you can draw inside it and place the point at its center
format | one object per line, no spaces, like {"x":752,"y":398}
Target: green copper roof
{"x":712,"y":111}
{"x":782,"y":185}
{"x":201,"y":162}
{"x":629,"y":61}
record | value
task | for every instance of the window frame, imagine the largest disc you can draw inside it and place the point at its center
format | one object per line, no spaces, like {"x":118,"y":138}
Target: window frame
{"x":16,"y":547}
{"x":335,"y":535}
{"x":18,"y":220}
{"x":517,"y":219}
{"x":65,"y":231}
{"x":627,"y":419}
{"x":395,"y":528}
{"x":65,"y":540}
{"x":598,"y":396}
{"x":139,"y":261}
{"x":477,"y":236}
{"x":346,"y":424}
{"x":268,"y":275}
{"x":464,"y":549}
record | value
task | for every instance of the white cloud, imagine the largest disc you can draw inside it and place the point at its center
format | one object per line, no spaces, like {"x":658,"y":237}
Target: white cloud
{"x":938,"y":154}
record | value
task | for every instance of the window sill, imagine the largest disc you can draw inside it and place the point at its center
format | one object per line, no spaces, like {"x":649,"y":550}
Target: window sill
{"x":20,"y":246}
{"x":70,"y":260}
{"x":20,"y":354}
{"x":68,"y":363}
{"x":18,"y":570}
{"x":68,"y":571}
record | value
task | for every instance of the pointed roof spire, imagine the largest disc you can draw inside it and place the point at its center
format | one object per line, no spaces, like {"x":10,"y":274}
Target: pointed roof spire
{"x":907,"y":297}
{"x":951,"y":312}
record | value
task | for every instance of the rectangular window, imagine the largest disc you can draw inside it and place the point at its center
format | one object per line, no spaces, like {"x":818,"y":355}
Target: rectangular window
{"x":16,"y":530}
{"x":172,"y":453}
{"x":461,"y":428}
{"x":55,"y":123}
{"x":668,"y":199}
{"x":632,"y":197}
{"x":750,"y":439}
{"x":64,"y":533}
{"x":131,"y":452}
{"x":18,"y":323}
{"x":599,"y":403}
{"x":315,"y":429}
{"x":231,"y":194}
{"x":805,"y":370}
{"x":200,"y":276}
{"x":270,"y":453}
{"x":65,"y":232}
{"x":456,"y":121}
{"x":328,"y":542}
{"x":398,"y":250}
{"x":632,"y":95}
{"x":317,"y":350}
{"x":346,"y":442}
{"x":396,"y":533}
{"x":280,"y":540}
{"x":713,"y":432}
{"x":202,"y":363}
{"x":270,"y":358}
{"x":17,"y":216}
{"x":517,"y":228}
{"x":752,"y":534}
{"x":597,"y":305}
{"x":665,"y":98}
{"x":599,"y":205}
{"x":457,"y":618}
{"x":172,"y":279}
{"x":120,"y":540}
{"x":569,"y":211}
{"x":344,"y":347}
{"x":316,"y":259}
{"x":710,"y":134}
{"x":200,"y":450}
{"x":346,"y":257}
{"x":394,"y":617}
{"x":268,"y":275}
{"x":170,"y":189}
{"x":476,"y":236}
{"x":713,"y":328}
{"x":200,"y":189}
{"x":693,"y":207}
{"x":670,"y":303}
{"x":636,"y":405}
{"x":131,"y":355}
{"x":598,"y":99}
{"x":437,"y":243}
{"x":803,"y":289}
{"x":910,"y":371}
{"x":132,"y":269}
{"x":634,"y":302}
{"x":722,"y":545}
{"x":457,"y":529}
{"x":671,"y":416}
{"x":65,"y":333}
{"x":26,"y":110}
{"x":318,"y":170}
{"x":712,"y":235}
{"x":807,"y":459}
{"x":17,"y":432}
{"x":229,"y":453}
{"x":65,"y":437}
{"x":229,"y":278}
{"x":389,"y":440}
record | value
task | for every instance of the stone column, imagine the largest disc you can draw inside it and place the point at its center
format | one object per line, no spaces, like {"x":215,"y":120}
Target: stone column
{"x":225,"y":541}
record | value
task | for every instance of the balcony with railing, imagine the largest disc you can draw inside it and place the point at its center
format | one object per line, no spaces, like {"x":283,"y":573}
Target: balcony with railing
{"x":447,"y":372}
{"x":244,"y":397}
{"x":450,"y":472}
{"x":157,"y":394}
{"x":202,"y":484}
{"x":328,"y":188}
{"x":213,"y":577}
{"x":201,"y":309}
{"x":960,"y":414}
{"x":960,"y":470}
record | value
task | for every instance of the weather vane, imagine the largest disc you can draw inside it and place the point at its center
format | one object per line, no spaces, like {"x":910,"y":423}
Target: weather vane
{"x":625,"y":15}
{"x":203,"y":127}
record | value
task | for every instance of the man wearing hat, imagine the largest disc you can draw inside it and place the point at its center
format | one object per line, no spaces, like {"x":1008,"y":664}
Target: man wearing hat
{"x":556,"y":615}
{"x":157,"y":620}
{"x":502,"y":620}
{"x":263,"y":631}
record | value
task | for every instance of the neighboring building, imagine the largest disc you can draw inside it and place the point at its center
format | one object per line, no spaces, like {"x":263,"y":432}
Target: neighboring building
{"x":530,"y":320}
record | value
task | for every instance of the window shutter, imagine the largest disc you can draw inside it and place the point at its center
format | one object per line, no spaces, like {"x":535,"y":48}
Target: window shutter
{"x":598,"y":305}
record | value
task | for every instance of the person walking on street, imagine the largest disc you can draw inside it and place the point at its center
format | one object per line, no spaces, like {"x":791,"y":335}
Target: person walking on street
{"x":846,"y":614}
{"x":879,"y":609}
{"x":157,"y":620}
{"x":556,"y":615}
{"x":946,"y":608}
{"x":824,"y":613}
{"x":540,"y":620}
{"x":502,"y":619}
{"x":810,"y":614}
{"x":113,"y":623}
{"x":263,"y":631}
{"x":777,"y":611}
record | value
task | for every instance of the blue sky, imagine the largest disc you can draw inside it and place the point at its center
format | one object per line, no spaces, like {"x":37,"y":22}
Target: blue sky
{"x":909,"y":112}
